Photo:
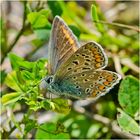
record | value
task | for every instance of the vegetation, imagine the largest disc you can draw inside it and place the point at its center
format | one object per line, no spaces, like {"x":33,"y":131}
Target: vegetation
{"x":27,"y":112}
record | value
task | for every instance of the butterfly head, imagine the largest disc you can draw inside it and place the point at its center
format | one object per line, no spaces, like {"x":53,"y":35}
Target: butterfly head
{"x":49,"y":80}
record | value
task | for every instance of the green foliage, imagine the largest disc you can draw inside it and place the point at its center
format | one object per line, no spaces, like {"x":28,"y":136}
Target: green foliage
{"x":127,"y":123}
{"x":51,"y":131}
{"x":3,"y":75}
{"x":75,"y":30}
{"x":58,"y":105}
{"x":81,"y":127}
{"x":95,"y":18}
{"x":11,"y":98}
{"x":29,"y":125}
{"x":129,"y":95}
{"x":129,"y":101}
{"x":40,"y":24}
{"x":21,"y":90}
{"x":55,"y":7}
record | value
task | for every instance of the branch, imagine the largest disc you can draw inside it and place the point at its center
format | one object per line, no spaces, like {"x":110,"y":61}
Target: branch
{"x":117,"y":64}
{"x":18,"y":35}
{"x":127,"y":62}
{"x":105,"y":121}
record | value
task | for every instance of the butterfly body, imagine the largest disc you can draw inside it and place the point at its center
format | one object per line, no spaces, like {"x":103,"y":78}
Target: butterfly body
{"x":77,"y":72}
{"x":63,"y":88}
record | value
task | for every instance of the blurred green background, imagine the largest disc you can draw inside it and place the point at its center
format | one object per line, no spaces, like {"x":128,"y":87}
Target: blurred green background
{"x":26,"y":112}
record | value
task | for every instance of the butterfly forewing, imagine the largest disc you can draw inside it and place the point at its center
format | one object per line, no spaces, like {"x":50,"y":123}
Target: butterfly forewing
{"x":62,"y":44}
{"x":88,"y":57}
{"x":92,"y":83}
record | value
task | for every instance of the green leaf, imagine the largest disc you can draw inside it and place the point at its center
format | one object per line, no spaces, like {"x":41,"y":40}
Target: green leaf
{"x":26,"y":75}
{"x":45,"y":12}
{"x":3,"y":75}
{"x":39,"y":69}
{"x":49,"y":131}
{"x":31,"y":124}
{"x":127,"y":123}
{"x":10,"y":98}
{"x":37,"y":43}
{"x":59,"y":105}
{"x":55,"y":8}
{"x":95,"y":18}
{"x":129,"y":95}
{"x":42,"y":34}
{"x":19,"y":63}
{"x":12,"y":81}
{"x":38,"y":20}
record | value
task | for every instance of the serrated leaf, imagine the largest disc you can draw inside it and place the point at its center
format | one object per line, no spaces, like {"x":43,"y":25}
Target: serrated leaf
{"x":127,"y":123}
{"x":12,"y":81}
{"x":129,"y":95}
{"x":49,"y":131}
{"x":10,"y":98}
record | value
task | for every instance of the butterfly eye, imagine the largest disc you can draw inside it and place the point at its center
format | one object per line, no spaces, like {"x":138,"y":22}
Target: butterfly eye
{"x":49,"y":80}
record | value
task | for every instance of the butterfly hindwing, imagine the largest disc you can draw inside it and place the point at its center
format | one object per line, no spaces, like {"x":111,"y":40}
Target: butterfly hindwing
{"x":62,"y":44}
{"x":90,"y":83}
{"x":88,"y":57}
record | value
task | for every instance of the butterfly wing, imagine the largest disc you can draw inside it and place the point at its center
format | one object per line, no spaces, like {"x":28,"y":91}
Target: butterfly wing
{"x":62,"y":44}
{"x":88,"y":57}
{"x":90,"y":83}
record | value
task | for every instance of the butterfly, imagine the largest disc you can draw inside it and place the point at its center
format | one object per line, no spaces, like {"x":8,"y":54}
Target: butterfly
{"x":76,"y":71}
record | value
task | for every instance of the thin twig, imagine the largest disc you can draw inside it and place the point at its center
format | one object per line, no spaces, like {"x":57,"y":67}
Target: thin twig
{"x":118,"y":24}
{"x":117,"y":64}
{"x":18,"y":35}
{"x":128,"y":62}
{"x":105,"y":121}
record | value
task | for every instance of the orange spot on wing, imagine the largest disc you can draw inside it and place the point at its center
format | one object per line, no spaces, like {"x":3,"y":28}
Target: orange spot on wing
{"x":97,"y":56}
{"x":67,"y":36}
{"x":98,"y":60}
{"x":106,"y":83}
{"x":101,"y":87}
{"x":94,"y":94}
{"x":109,"y":79}
{"x":98,"y":65}
{"x":71,"y":41}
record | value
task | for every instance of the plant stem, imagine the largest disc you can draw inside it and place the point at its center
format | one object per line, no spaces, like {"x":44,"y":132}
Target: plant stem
{"x":118,"y":24}
{"x":18,"y":35}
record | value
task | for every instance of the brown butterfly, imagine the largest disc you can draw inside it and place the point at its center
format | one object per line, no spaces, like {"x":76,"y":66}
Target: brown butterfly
{"x":77,"y":72}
